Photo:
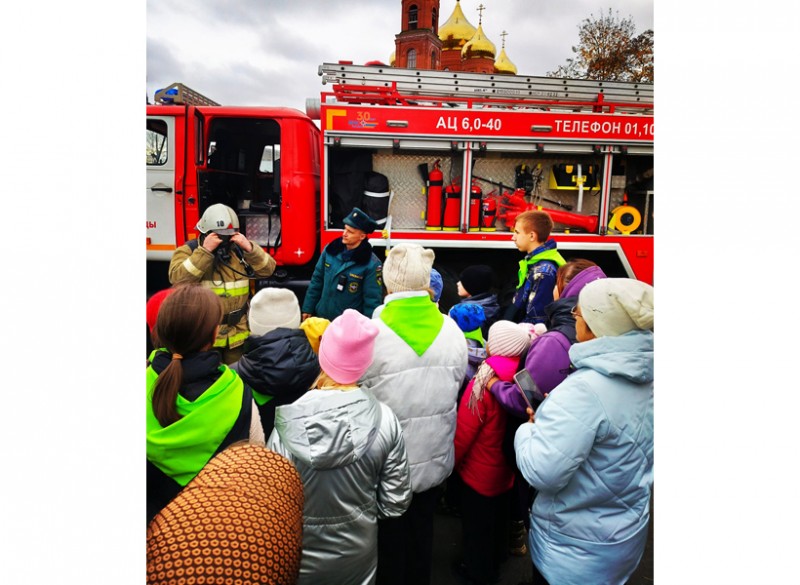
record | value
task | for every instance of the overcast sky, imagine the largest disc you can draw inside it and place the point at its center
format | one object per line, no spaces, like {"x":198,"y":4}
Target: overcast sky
{"x":267,"y":52}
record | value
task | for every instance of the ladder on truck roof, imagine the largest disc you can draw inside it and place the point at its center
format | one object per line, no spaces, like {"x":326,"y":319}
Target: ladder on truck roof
{"x":393,"y":85}
{"x":177,"y":93}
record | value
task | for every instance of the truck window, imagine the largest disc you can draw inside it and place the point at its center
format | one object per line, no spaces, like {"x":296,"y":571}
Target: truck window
{"x":269,"y":158}
{"x":156,"y":143}
{"x":243,"y":163}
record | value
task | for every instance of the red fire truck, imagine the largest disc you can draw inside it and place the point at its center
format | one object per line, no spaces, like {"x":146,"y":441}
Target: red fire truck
{"x":443,"y":159}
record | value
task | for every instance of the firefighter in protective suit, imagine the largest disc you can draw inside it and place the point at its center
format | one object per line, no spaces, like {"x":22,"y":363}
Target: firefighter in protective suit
{"x":224,"y":260}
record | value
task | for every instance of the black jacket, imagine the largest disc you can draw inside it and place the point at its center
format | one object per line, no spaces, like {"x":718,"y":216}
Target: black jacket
{"x":560,"y":319}
{"x":279,"y":367}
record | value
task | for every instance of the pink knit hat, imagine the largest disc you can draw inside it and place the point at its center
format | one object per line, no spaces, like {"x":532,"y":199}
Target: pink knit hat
{"x":345,"y":351}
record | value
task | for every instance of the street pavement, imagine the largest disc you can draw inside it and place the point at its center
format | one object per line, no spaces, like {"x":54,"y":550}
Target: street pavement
{"x":447,"y":550}
{"x":516,"y":570}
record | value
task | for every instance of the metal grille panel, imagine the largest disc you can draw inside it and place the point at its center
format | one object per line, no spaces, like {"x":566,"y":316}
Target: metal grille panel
{"x":409,"y":202}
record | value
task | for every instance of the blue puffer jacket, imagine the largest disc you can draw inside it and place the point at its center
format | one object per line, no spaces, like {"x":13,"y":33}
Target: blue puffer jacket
{"x":590,"y":455}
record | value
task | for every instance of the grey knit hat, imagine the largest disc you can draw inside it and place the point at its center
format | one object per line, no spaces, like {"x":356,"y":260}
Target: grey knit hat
{"x":407,"y":268}
{"x":615,"y":306}
{"x":507,"y":338}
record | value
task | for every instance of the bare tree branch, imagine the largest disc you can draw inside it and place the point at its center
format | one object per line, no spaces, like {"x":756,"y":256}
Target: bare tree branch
{"x":609,"y":50}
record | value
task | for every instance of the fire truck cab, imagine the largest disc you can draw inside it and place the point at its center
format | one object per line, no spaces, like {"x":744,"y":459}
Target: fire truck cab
{"x":200,"y":153}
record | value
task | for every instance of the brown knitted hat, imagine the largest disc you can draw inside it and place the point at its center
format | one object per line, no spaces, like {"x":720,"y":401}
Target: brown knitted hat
{"x":239,"y":521}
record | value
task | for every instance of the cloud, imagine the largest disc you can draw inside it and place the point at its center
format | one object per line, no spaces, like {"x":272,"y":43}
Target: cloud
{"x":267,"y":52}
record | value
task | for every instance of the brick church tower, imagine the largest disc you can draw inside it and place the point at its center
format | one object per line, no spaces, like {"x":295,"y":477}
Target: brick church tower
{"x":417,"y":46}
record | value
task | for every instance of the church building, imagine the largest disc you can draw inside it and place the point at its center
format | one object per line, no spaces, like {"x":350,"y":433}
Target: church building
{"x":456,"y":45}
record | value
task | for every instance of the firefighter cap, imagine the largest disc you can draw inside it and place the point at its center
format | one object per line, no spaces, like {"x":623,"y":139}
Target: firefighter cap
{"x":361,"y":221}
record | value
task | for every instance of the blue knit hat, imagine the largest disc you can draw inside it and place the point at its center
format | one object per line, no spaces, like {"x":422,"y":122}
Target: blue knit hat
{"x":436,"y":285}
{"x":468,"y":316}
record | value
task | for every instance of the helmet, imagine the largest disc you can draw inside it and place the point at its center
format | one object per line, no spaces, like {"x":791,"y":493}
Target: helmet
{"x":220,"y":219}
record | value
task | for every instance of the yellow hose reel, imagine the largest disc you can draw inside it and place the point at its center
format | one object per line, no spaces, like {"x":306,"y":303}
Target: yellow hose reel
{"x":625,"y":219}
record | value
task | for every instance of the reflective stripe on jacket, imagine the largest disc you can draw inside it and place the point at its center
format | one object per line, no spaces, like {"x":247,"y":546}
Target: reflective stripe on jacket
{"x":229,"y":281}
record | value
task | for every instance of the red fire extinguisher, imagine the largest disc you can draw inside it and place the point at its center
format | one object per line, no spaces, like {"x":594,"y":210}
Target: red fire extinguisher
{"x":434,"y":206}
{"x":452,"y":207}
{"x":489,"y":214}
{"x":475,"y":195}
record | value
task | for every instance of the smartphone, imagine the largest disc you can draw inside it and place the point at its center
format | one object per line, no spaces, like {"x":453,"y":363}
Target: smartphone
{"x":528,"y":388}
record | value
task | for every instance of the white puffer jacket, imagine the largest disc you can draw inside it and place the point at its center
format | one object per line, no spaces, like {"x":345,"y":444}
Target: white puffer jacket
{"x":422,"y":390}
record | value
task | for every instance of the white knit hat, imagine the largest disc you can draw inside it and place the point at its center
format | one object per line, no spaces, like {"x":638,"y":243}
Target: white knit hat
{"x":614,"y":306}
{"x":408,"y":267}
{"x":507,"y":338}
{"x":271,"y":308}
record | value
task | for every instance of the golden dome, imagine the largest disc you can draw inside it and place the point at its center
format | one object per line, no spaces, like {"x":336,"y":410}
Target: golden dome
{"x":392,"y":59}
{"x":503,"y":64}
{"x":456,"y":31}
{"x":478,"y":46}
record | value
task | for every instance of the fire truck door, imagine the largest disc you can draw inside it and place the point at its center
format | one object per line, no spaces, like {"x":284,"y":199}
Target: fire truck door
{"x":160,"y":187}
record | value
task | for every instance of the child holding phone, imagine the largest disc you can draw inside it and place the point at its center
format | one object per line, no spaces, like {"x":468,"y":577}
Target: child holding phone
{"x":485,"y":471}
